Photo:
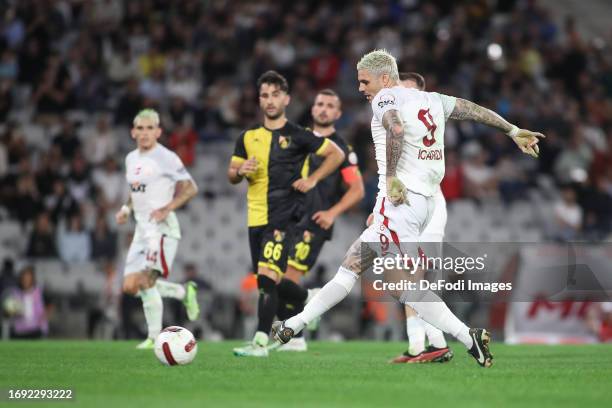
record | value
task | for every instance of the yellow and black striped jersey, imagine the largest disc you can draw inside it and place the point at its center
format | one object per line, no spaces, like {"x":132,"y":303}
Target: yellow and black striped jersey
{"x":280,"y":156}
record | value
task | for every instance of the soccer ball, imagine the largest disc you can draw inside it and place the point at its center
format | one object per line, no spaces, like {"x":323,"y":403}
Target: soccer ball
{"x":175,"y":346}
{"x":12,"y":306}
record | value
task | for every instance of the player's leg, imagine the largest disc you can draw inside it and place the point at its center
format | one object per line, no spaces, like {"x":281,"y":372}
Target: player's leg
{"x":358,"y":259}
{"x":272,"y":259}
{"x":139,"y":280}
{"x":306,"y":245}
{"x":417,"y":328}
{"x":186,"y":293}
{"x":433,"y":237}
{"x":291,"y":300}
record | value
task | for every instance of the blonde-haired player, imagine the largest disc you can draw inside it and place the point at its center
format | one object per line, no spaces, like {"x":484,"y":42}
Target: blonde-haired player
{"x":408,"y":133}
{"x":159,"y":184}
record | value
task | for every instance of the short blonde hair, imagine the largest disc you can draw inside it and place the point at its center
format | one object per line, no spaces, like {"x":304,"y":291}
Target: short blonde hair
{"x":147,"y":114}
{"x":379,"y":62}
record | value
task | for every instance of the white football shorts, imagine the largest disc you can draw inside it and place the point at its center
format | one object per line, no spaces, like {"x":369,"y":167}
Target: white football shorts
{"x":397,"y":230}
{"x":154,"y":253}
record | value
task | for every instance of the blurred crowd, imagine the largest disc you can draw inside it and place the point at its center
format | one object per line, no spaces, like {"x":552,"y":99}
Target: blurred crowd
{"x":80,"y":70}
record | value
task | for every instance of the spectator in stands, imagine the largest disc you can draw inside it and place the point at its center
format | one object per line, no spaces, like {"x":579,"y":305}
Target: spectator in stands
{"x":16,"y":146}
{"x":129,"y":104}
{"x":49,"y":171}
{"x":512,"y":179}
{"x":73,"y":240}
{"x":26,"y":203}
{"x":6,"y":99}
{"x":110,"y":185}
{"x":577,"y":155}
{"x":183,"y":85}
{"x":79,"y":181}
{"x":103,"y":240}
{"x":30,"y":319}
{"x":42,"y":239}
{"x":60,"y":204}
{"x":324,"y":68}
{"x":67,"y":140}
{"x":596,"y":202}
{"x":53,"y":93}
{"x":480,"y":180}
{"x":183,"y":141}
{"x":452,"y":183}
{"x":568,"y":216}
{"x":122,"y":66}
{"x":101,"y":143}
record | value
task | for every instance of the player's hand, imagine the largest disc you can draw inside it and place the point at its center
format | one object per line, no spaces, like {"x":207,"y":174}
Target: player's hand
{"x":370,"y":220}
{"x":160,"y":214}
{"x":396,"y":191}
{"x":304,"y":184}
{"x":527,"y":141}
{"x":324,"y":219}
{"x":121,"y":217}
{"x":247,"y":168}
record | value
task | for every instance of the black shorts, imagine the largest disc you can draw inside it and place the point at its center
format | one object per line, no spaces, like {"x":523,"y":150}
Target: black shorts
{"x":306,"y":245}
{"x":269,"y":247}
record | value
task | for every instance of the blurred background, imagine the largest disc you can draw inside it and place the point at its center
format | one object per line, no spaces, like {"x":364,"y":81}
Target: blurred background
{"x":73,"y":74}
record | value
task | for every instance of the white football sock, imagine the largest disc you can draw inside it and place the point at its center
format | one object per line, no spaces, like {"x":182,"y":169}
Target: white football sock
{"x":170,"y":289}
{"x":434,"y":335}
{"x":332,"y":293}
{"x":153,"y":310}
{"x":416,"y":335}
{"x":433,"y":310}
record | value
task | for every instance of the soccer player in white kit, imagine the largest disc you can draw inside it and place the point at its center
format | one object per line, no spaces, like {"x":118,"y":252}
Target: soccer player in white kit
{"x":417,"y":329}
{"x":408,"y":129}
{"x":159,"y":184}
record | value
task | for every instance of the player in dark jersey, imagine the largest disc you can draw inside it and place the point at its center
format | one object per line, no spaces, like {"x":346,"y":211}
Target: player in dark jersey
{"x":270,"y":157}
{"x":324,"y":203}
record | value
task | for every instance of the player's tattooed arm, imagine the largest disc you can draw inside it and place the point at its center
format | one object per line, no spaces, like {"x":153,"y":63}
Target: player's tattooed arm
{"x":359,"y":257}
{"x":526,"y":140}
{"x":185,"y":190}
{"x":468,"y":110}
{"x":394,"y":125}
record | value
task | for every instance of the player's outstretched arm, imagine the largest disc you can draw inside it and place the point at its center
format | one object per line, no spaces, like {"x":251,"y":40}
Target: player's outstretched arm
{"x":185,"y":190}
{"x":394,"y":125}
{"x":525,"y":139}
{"x":334,"y":156}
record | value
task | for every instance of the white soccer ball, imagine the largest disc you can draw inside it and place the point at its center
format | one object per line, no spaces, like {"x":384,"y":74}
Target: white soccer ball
{"x":175,"y":346}
{"x":12,"y":306}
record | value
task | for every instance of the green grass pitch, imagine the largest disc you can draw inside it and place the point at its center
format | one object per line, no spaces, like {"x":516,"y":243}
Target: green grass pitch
{"x":355,"y":374}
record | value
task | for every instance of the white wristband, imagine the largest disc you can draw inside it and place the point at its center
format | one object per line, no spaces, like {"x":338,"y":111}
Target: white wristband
{"x":514,"y":131}
{"x":125,"y":209}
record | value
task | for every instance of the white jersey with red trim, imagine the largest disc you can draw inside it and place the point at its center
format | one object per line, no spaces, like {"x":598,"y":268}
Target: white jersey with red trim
{"x":421,"y":164}
{"x":152,"y":177}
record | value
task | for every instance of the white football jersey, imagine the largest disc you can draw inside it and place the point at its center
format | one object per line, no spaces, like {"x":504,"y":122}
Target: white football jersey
{"x":421,"y":165}
{"x":152,"y":177}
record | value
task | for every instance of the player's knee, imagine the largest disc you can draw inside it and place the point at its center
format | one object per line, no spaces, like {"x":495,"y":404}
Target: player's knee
{"x":263,"y":271}
{"x":130,"y":287}
{"x":293,"y":274}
